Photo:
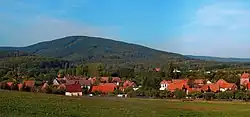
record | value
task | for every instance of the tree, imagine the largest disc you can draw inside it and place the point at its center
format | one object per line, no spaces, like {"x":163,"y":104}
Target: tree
{"x":179,"y":94}
{"x":170,"y":72}
{"x":191,"y":81}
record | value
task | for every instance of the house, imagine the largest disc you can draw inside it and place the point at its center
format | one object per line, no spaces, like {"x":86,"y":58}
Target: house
{"x":104,"y":88}
{"x":104,"y":79}
{"x":164,"y":84}
{"x":244,"y":79}
{"x":85,"y":83}
{"x":58,"y":81}
{"x":199,"y":81}
{"x":223,"y":85}
{"x":29,"y":84}
{"x":92,"y":80}
{"x":157,"y":69}
{"x":19,"y":86}
{"x":212,"y":87}
{"x":179,"y":85}
{"x":73,"y":90}
{"x":116,"y":80}
{"x":10,"y":84}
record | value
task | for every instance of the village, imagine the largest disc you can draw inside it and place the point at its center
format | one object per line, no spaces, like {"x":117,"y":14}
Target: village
{"x":95,"y":86}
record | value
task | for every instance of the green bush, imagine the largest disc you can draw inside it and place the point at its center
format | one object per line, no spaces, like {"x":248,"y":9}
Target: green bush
{"x":131,"y":94}
{"x":208,"y":95}
{"x":225,"y":95}
{"x":240,"y":95}
{"x":179,"y":94}
{"x":195,"y":95}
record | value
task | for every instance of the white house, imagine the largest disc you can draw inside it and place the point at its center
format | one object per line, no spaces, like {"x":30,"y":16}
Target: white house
{"x":164,"y":84}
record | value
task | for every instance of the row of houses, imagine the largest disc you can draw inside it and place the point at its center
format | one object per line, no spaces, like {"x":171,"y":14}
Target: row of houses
{"x":74,"y":85}
{"x":203,"y":85}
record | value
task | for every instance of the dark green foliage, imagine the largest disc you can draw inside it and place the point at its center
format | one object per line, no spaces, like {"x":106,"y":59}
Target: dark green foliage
{"x":225,"y":95}
{"x":208,"y":95}
{"x":179,"y":94}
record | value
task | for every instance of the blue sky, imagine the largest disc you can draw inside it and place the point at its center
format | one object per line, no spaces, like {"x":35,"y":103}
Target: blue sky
{"x":197,"y":27}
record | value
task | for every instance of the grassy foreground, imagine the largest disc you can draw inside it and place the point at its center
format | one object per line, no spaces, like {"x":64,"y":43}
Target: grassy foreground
{"x":22,"y":104}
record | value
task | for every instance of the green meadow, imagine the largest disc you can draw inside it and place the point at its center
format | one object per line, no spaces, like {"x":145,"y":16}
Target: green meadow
{"x":24,"y":104}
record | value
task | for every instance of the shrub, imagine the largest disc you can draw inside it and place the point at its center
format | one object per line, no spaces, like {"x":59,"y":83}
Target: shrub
{"x":131,"y":94}
{"x":225,"y":95}
{"x":195,"y":95}
{"x":208,"y":95}
{"x":179,"y":94}
{"x":240,"y":95}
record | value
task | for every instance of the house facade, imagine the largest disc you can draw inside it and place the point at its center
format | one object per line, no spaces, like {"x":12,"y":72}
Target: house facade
{"x":73,"y":90}
{"x":244,"y":79}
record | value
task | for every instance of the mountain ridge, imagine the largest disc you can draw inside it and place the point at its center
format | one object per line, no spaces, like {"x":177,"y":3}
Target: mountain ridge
{"x":97,"y":49}
{"x":219,"y":59}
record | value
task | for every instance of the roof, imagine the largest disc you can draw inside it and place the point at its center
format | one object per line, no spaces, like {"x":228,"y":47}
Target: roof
{"x":92,"y":80}
{"x":199,"y":81}
{"x":104,"y":79}
{"x":73,"y":88}
{"x":228,"y":85}
{"x":213,"y":87}
{"x":128,"y":83}
{"x":245,"y":75}
{"x":85,"y":82}
{"x":157,"y":69}
{"x":103,"y":88}
{"x":248,"y":85}
{"x":221,"y":81}
{"x":69,"y":82}
{"x":29,"y":83}
{"x":224,"y":84}
{"x":165,"y":82}
{"x":180,"y":80}
{"x":174,"y":86}
{"x":116,"y":79}
{"x":10,"y":83}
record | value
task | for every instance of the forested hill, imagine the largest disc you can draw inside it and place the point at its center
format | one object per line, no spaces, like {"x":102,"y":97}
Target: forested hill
{"x":93,"y":49}
{"x":99,"y":49}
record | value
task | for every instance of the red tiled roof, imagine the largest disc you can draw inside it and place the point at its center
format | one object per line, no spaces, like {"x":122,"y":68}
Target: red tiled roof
{"x":92,"y":80}
{"x":29,"y":83}
{"x":178,"y":85}
{"x":221,"y":81}
{"x":245,"y":75}
{"x":104,"y":79}
{"x":228,"y":85}
{"x":73,"y":88}
{"x":248,"y":86}
{"x":165,"y":82}
{"x":69,"y":82}
{"x":116,"y":79}
{"x":198,"y":81}
{"x":180,"y":80}
{"x":10,"y":83}
{"x":105,"y":88}
{"x":193,"y":90}
{"x":157,"y":69}
{"x":128,"y":83}
{"x":213,"y":87}
{"x":20,"y":86}
{"x":85,"y":82}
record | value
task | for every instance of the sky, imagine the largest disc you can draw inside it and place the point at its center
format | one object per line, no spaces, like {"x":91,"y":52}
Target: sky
{"x":218,"y":28}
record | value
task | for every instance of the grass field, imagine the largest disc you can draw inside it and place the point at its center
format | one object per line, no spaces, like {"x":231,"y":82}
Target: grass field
{"x":22,"y":104}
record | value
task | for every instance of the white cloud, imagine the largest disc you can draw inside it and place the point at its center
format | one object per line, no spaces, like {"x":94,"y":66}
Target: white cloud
{"x":221,"y":29}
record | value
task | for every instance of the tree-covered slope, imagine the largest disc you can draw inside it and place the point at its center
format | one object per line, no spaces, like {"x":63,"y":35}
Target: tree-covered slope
{"x":98,"y":49}
{"x":93,"y":49}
